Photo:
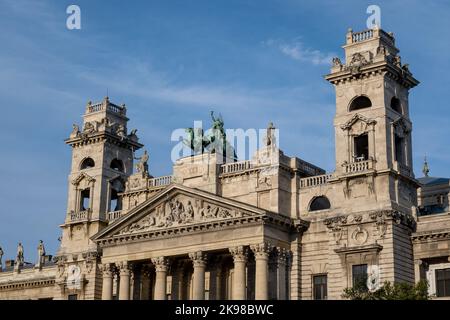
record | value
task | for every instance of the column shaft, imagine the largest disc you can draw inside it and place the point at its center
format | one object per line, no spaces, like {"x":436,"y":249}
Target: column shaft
{"x":161,"y":267}
{"x":239,"y":277}
{"x":124,"y":287}
{"x":107,"y":286}
{"x":262,"y":278}
{"x":199,"y":262}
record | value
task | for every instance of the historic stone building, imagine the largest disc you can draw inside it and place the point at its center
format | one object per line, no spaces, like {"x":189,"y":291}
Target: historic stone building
{"x":271,"y":227}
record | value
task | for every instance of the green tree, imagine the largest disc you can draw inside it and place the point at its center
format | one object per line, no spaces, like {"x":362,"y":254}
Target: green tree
{"x":389,"y":291}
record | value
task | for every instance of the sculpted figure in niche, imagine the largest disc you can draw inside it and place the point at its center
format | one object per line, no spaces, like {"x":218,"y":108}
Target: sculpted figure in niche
{"x":1,"y":256}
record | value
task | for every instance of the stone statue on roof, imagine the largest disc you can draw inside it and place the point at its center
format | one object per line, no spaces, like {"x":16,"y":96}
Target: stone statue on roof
{"x":41,"y":253}
{"x":142,"y":165}
{"x":20,"y":257}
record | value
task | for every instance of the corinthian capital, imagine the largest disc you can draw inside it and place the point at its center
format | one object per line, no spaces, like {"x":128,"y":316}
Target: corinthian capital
{"x":199,"y":258}
{"x":124,"y":267}
{"x":106,"y":269}
{"x":239,"y":253}
{"x":261,"y":250}
{"x":161,"y":263}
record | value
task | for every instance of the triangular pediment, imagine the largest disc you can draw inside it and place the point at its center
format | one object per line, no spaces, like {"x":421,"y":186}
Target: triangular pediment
{"x":177,"y":206}
{"x":355,"y":119}
{"x":83,"y":177}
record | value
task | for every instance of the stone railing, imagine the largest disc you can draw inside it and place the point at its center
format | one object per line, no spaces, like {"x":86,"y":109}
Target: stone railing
{"x":113,"y":215}
{"x":236,"y":167}
{"x":109,"y":106}
{"x":160,"y":181}
{"x":314,"y":181}
{"x":362,"y":36}
{"x":358,"y":166}
{"x":79,"y":216}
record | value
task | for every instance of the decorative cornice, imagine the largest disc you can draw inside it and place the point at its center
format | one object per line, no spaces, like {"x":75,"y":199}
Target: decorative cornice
{"x":442,"y":234}
{"x":26,"y":284}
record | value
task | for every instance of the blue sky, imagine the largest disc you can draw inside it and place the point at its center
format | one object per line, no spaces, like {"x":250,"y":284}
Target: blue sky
{"x":173,"y":61}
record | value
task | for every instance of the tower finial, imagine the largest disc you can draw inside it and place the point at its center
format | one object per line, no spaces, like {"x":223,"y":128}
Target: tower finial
{"x":425,"y":169}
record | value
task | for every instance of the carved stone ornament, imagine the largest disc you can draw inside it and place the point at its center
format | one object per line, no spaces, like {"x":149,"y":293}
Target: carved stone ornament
{"x":161,"y":264}
{"x":262,"y":250}
{"x":199,"y":258}
{"x":177,"y":212}
{"x":239,"y":253}
{"x":360,"y":235}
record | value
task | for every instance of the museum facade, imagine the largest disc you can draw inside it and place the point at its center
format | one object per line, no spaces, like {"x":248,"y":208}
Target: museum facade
{"x":270,"y":227}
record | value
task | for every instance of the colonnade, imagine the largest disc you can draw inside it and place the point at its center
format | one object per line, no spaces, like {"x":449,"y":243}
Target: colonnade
{"x":270,"y":269}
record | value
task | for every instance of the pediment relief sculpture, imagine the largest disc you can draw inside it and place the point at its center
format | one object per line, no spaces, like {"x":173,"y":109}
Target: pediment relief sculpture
{"x":180,"y":210}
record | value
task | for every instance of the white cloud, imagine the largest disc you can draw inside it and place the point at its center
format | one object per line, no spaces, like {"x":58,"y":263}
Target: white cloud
{"x":297,"y":50}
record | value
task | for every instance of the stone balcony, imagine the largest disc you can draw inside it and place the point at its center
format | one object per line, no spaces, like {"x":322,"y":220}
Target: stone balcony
{"x":358,"y":166}
{"x":79,"y":216}
{"x":113,"y":215}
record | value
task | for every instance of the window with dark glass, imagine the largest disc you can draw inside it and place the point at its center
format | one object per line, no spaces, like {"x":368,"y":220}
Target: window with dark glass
{"x":361,"y":147}
{"x":443,"y":282}
{"x":320,"y":287}
{"x":72,"y":297}
{"x":359,"y":276}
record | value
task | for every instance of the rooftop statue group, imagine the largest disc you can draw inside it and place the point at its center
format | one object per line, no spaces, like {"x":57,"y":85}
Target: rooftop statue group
{"x":20,"y":258}
{"x":215,"y":141}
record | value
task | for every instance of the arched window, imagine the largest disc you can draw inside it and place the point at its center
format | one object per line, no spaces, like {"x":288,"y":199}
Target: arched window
{"x":395,"y":105}
{"x":87,"y":164}
{"x":117,"y":165}
{"x":319,"y":203}
{"x":360,"y":102}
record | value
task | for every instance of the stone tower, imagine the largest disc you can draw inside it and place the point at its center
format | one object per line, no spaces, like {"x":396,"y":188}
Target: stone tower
{"x":102,"y":159}
{"x":372,"y":124}
{"x":373,"y":189}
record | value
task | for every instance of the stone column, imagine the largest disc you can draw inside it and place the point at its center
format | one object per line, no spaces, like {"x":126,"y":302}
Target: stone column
{"x":239,"y":278}
{"x":161,"y":268}
{"x":124,"y":286}
{"x":218,"y":276}
{"x":261,"y":252}
{"x":145,"y":285}
{"x":282,"y":254}
{"x":107,"y":286}
{"x":199,"y":261}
